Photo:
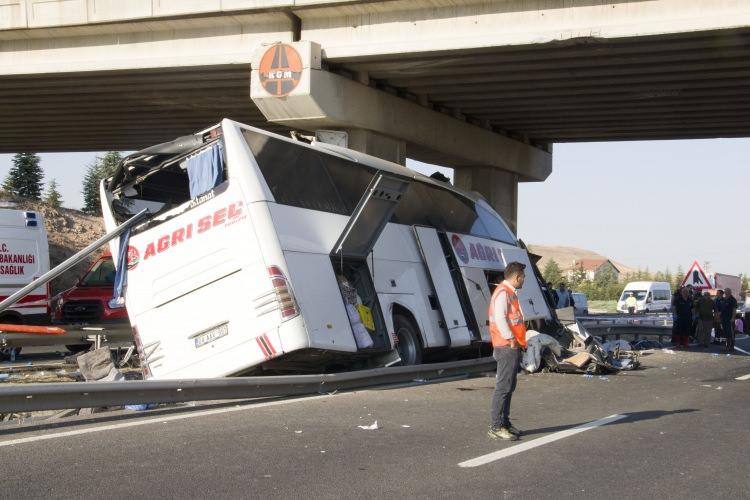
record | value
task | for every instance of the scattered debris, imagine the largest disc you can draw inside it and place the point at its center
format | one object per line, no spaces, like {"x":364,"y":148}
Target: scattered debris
{"x":668,"y":351}
{"x":298,"y":432}
{"x":405,"y":426}
{"x":369,"y":427}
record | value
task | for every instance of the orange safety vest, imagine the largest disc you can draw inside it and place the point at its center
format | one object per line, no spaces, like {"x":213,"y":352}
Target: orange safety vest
{"x":514,"y":317}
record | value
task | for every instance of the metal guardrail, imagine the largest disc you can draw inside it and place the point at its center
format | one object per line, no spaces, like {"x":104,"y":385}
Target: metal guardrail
{"x":34,"y":397}
{"x":633,"y":332}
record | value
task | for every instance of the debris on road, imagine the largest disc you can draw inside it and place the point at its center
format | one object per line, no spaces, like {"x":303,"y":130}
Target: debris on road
{"x":369,"y":427}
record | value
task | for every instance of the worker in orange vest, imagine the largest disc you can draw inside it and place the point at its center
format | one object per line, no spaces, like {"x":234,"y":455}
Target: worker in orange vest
{"x":508,"y":333}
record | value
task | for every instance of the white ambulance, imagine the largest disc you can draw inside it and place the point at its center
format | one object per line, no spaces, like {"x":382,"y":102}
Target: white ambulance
{"x":24,"y":257}
{"x":264,"y":253}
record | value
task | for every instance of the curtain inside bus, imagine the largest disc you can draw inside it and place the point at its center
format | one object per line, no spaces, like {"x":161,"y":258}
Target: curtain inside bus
{"x":205,"y":170}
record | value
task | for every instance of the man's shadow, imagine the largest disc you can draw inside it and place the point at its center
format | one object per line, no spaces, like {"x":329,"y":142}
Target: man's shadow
{"x":635,"y":416}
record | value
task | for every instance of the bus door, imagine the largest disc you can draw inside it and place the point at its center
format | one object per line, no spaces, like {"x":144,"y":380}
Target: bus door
{"x":349,"y":254}
{"x":454,"y":319}
{"x":530,"y":295}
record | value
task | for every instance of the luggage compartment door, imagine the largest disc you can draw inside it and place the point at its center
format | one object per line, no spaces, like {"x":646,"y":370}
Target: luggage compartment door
{"x":442,"y":284}
{"x":530,"y":296}
{"x":370,"y":217}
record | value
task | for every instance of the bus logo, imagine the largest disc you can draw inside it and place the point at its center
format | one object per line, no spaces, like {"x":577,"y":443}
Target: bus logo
{"x":460,"y":249}
{"x":134,"y":257}
{"x":280,"y":70}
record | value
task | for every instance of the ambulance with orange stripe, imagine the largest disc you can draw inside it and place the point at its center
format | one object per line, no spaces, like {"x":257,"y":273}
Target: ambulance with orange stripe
{"x":263,"y":253}
{"x":24,"y":256}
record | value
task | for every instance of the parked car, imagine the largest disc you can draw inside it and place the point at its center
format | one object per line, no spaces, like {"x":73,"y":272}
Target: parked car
{"x":580,"y":303}
{"x":88,"y":300}
{"x":85,"y":307}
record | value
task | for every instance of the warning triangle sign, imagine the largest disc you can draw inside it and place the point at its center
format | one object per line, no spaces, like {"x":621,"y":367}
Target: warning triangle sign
{"x":696,"y":277}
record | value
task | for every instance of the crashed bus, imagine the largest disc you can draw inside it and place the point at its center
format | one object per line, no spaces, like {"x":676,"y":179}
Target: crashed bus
{"x":265,"y":253}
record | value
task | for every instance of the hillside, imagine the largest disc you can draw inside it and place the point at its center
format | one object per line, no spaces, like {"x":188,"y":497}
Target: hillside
{"x":565,"y":256}
{"x":68,"y":231}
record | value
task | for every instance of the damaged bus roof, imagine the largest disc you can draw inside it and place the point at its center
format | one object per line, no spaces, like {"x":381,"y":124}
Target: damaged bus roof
{"x":160,"y":155}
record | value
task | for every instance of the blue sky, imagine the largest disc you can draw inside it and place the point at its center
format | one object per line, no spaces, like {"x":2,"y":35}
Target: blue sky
{"x":655,"y":204}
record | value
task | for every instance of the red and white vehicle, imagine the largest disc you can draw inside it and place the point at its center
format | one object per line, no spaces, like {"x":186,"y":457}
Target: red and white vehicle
{"x":24,"y":257}
{"x":268,"y":253}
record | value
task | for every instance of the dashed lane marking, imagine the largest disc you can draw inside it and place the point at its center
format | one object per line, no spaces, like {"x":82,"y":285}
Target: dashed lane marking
{"x":520,"y":448}
{"x":157,"y":420}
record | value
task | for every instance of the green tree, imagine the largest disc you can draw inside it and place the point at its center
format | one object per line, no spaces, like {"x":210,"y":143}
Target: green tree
{"x":679,"y":275}
{"x":25,"y":176}
{"x":103,"y":167}
{"x":743,"y":282}
{"x":53,"y":197}
{"x":552,"y":273}
{"x":668,"y":276}
{"x":577,"y":277}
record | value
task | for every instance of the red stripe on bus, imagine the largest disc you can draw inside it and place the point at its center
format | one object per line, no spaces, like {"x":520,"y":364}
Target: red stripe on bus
{"x":262,"y":348}
{"x":270,"y":345}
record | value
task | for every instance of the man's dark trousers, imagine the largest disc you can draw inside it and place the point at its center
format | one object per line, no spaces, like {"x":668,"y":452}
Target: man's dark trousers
{"x":508,"y":360}
{"x":728,"y":327}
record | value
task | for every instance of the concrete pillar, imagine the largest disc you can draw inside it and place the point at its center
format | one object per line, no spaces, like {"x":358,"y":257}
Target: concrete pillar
{"x":499,"y":187}
{"x":375,"y":144}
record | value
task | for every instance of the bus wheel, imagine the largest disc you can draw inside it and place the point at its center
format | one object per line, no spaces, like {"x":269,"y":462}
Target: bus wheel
{"x":409,"y":348}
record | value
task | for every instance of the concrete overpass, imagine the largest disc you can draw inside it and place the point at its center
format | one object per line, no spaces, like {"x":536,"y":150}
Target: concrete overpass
{"x":484,"y":87}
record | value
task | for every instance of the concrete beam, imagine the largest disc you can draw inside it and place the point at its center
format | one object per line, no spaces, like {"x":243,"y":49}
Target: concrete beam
{"x":410,"y":27}
{"x":174,"y":43}
{"x":324,"y":100}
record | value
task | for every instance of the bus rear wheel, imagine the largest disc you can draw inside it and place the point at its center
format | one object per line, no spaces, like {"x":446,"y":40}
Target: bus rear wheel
{"x":408,"y":346}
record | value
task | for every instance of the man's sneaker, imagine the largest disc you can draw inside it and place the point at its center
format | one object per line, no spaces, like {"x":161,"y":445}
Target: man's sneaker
{"x":502,"y":433}
{"x":513,"y":430}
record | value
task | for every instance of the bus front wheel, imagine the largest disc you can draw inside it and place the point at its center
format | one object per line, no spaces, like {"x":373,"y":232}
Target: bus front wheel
{"x":408,"y":346}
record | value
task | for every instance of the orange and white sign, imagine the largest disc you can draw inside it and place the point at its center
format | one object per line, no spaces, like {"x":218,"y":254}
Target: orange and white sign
{"x":280,"y":69}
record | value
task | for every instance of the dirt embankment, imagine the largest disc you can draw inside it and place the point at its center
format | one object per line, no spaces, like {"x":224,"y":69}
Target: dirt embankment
{"x":68,"y":231}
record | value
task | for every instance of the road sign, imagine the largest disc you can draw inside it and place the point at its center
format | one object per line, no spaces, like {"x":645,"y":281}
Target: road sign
{"x":280,"y":70}
{"x":696,"y":277}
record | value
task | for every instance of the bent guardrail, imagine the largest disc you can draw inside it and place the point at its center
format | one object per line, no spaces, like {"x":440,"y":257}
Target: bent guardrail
{"x":34,"y":397}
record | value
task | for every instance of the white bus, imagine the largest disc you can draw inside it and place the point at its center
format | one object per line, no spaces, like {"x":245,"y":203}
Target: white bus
{"x":265,"y":253}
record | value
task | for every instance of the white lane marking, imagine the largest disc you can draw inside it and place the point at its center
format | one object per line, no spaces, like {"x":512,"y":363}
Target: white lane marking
{"x":157,"y":420}
{"x":744,"y":377}
{"x":741,"y":350}
{"x":519,"y":448}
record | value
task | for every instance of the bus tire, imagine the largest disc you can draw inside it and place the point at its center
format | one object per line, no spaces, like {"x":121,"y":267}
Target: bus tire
{"x":409,"y":346}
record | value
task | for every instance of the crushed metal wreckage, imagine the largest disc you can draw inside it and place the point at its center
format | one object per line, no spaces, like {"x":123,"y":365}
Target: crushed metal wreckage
{"x":583,"y":353}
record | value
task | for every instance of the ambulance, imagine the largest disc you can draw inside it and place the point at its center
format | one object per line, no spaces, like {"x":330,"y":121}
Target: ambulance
{"x":24,"y":257}
{"x":265,"y":253}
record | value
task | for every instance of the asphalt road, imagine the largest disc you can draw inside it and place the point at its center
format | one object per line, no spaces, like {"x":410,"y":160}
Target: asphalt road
{"x":684,"y":434}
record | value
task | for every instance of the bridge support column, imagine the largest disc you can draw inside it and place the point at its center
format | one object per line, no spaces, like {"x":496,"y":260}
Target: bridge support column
{"x":499,"y":187}
{"x":375,"y":144}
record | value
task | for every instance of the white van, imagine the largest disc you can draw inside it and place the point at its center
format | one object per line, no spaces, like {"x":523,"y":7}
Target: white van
{"x":267,"y":253}
{"x":651,"y":296}
{"x":24,"y":257}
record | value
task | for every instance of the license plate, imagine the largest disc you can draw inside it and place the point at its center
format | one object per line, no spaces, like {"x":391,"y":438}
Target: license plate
{"x":211,"y":335}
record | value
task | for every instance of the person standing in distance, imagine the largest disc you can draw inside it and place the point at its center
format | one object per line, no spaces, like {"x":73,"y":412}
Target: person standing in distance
{"x":508,"y":333}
